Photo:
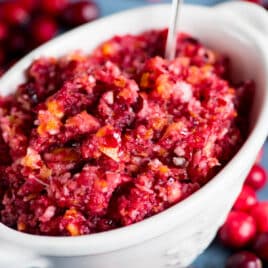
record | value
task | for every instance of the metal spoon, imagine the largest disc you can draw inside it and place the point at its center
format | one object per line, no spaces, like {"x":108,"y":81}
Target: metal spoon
{"x":170,"y":51}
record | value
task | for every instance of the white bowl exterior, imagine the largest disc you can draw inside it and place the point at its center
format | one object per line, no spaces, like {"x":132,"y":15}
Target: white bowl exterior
{"x":175,"y":237}
{"x":176,"y":248}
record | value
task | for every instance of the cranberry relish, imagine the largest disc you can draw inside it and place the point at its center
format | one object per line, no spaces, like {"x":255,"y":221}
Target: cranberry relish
{"x":94,"y":142}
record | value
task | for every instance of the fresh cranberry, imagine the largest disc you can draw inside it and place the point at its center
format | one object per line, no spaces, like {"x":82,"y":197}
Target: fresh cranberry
{"x":260,"y":213}
{"x":246,"y":200}
{"x":243,"y":259}
{"x":257,"y":177}
{"x":43,"y":29}
{"x":29,"y":5}
{"x":15,"y":14}
{"x":17,"y":43}
{"x":2,"y":56}
{"x":2,"y":5}
{"x":260,"y":246}
{"x":238,"y":230}
{"x":3,"y":31}
{"x":2,"y":71}
{"x":53,"y":7}
{"x":259,"y":2}
{"x":80,"y":12}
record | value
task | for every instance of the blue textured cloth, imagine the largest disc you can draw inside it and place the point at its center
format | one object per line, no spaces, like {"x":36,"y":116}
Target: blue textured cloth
{"x":214,"y":256}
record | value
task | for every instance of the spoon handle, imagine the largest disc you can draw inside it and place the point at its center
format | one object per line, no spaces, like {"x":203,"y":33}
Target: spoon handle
{"x":170,"y":51}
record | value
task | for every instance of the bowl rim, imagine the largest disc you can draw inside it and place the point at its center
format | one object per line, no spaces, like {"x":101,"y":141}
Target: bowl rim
{"x":143,"y":231}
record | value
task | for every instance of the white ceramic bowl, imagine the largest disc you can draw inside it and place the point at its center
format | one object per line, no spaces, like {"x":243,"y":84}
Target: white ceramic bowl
{"x":175,"y":237}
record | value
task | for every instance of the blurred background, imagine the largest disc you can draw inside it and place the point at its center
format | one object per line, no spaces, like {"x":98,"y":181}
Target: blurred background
{"x":26,"y":24}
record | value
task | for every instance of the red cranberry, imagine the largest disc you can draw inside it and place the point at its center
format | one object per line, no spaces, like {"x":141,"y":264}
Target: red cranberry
{"x":2,"y":5}
{"x":15,"y":14}
{"x":29,"y":5}
{"x":238,"y":230}
{"x":243,"y":259}
{"x":2,"y":56}
{"x":260,"y":246}
{"x":257,"y":177}
{"x":43,"y":29}
{"x":259,"y":2}
{"x":80,"y":12}
{"x":3,"y":31}
{"x":2,"y":71}
{"x":246,"y":200}
{"x":53,"y":7}
{"x":17,"y":43}
{"x":260,"y":213}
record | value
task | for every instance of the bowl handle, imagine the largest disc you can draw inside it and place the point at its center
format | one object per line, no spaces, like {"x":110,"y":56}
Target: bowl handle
{"x":14,"y":257}
{"x":250,"y":13}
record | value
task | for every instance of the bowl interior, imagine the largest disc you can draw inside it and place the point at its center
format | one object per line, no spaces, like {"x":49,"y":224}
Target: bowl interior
{"x":215,"y":31}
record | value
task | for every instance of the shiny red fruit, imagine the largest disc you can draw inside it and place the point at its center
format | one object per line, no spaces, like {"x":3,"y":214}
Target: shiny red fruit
{"x":80,"y":12}
{"x":29,"y":5}
{"x":246,"y":200}
{"x":243,"y":259}
{"x":260,"y":213}
{"x":259,"y":2}
{"x":2,"y":71}
{"x":53,"y":7}
{"x":2,"y":56}
{"x":260,"y":246}
{"x":257,"y":177}
{"x":43,"y":29}
{"x":15,"y":14}
{"x":3,"y":31}
{"x":238,"y":230}
{"x":1,"y":10}
{"x":17,"y":43}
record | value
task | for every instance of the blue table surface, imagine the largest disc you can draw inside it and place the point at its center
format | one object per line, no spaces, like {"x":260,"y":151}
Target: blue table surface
{"x":214,"y":256}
